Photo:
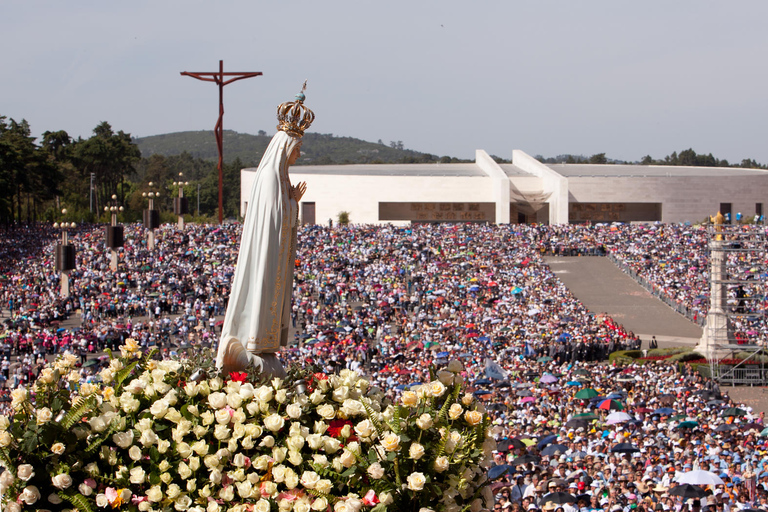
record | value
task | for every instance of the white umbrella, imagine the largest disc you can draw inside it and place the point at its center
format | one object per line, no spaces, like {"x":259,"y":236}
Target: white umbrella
{"x":617,"y":417}
{"x":700,"y":477}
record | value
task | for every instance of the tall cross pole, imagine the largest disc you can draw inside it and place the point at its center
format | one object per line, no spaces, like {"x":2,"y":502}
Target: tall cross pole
{"x":218,"y":130}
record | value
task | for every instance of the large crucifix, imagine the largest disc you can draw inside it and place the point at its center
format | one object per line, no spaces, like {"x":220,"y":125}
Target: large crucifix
{"x":218,"y":130}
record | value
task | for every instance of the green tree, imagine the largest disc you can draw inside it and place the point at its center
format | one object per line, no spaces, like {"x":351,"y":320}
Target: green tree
{"x":27,"y":177}
{"x":598,"y":158}
{"x":111,"y":157}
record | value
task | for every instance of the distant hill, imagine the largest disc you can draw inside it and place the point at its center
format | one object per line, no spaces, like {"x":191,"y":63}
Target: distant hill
{"x":318,"y":148}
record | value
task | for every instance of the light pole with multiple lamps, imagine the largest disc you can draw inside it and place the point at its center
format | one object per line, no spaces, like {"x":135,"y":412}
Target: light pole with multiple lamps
{"x":115,"y":238}
{"x":151,"y":217}
{"x":65,"y":254}
{"x":180,"y":204}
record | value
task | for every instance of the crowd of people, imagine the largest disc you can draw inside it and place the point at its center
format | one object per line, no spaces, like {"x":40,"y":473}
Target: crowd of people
{"x":398,"y":289}
{"x":390,"y":301}
{"x":673,"y":260}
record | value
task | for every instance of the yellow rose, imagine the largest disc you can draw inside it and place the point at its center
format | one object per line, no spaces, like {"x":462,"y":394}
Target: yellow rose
{"x":409,"y":399}
{"x":436,"y":388}
{"x":455,"y":411}
{"x":391,"y":442}
{"x":424,"y":421}
{"x":473,"y":417}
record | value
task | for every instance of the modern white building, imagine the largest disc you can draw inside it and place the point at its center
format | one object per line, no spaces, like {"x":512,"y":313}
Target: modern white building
{"x":524,"y":191}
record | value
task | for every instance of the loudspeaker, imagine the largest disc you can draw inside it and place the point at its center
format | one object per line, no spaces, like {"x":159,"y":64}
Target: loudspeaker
{"x":115,"y":237}
{"x":180,"y":206}
{"x":151,"y":219}
{"x":65,"y":257}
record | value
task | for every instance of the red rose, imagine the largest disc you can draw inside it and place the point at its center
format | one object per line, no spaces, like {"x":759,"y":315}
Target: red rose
{"x":238,"y":376}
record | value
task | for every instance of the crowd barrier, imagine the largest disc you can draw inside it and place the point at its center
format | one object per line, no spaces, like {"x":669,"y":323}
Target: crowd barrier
{"x":688,"y":313}
{"x":729,"y":376}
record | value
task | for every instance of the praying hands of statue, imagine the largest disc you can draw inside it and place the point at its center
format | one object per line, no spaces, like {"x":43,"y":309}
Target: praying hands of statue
{"x":299,"y":190}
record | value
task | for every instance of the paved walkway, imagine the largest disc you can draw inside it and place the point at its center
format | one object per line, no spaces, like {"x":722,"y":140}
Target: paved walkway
{"x":603,"y":288}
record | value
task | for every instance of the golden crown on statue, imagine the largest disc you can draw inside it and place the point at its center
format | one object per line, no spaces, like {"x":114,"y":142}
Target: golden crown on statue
{"x":293,"y":117}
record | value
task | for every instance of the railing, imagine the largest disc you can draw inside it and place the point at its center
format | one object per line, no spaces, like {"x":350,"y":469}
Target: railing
{"x":688,"y":313}
{"x":730,"y":376}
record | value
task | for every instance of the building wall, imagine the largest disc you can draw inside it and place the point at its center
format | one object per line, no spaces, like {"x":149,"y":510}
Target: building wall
{"x":683,"y":198}
{"x":360,"y":195}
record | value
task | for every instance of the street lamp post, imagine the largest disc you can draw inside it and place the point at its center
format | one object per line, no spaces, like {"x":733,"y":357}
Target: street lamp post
{"x":65,"y":254}
{"x":115,"y":238}
{"x":180,"y":204}
{"x":151,"y":217}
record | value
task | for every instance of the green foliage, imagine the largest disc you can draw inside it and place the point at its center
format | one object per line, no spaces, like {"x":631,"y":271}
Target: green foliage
{"x":599,"y":158}
{"x":317,"y":149}
{"x":688,"y":355}
{"x":343,"y":218}
{"x":29,"y":174}
{"x":80,"y":407}
{"x":668,"y":351}
{"x":78,"y":501}
{"x":623,"y":355}
{"x":687,"y":157}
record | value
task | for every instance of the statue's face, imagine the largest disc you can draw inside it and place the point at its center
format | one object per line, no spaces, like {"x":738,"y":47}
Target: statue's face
{"x":295,"y":154}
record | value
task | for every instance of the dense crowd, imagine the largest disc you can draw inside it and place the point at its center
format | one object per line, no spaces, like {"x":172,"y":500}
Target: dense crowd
{"x":674,"y":261}
{"x":399,"y":289}
{"x":392,"y":301}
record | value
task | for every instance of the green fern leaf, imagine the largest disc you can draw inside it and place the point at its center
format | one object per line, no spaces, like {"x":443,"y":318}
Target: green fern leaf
{"x":78,"y":501}
{"x":80,"y":407}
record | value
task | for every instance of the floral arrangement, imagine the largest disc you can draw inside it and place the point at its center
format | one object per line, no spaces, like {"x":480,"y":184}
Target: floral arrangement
{"x":160,"y":435}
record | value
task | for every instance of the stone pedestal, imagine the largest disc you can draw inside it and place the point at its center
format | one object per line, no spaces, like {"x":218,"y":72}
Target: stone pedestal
{"x":718,"y":330}
{"x":64,"y":284}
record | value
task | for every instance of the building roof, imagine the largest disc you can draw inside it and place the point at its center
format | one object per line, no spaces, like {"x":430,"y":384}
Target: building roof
{"x":450,"y":170}
{"x":646,"y":171}
{"x":512,"y":170}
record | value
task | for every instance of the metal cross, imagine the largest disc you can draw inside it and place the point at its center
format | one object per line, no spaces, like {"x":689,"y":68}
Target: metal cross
{"x":218,"y":130}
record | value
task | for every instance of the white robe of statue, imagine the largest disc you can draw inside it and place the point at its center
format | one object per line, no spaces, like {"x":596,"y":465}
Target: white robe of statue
{"x":258,"y":313}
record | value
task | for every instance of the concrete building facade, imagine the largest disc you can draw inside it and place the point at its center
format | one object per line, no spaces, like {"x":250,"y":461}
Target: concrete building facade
{"x":524,"y":191}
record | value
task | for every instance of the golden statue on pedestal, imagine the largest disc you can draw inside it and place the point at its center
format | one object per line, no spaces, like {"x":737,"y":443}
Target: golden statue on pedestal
{"x":718,"y":221}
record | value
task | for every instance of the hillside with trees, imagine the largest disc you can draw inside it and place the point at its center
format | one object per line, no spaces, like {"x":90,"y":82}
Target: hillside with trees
{"x":317,"y":148}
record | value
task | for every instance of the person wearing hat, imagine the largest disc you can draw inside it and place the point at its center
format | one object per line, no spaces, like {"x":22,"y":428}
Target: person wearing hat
{"x":642,"y":487}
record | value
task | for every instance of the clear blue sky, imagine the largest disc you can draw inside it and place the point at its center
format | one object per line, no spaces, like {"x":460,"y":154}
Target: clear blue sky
{"x":445,"y":77}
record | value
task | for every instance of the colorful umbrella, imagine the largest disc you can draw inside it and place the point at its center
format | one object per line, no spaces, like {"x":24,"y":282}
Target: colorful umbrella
{"x":586,"y":394}
{"x":610,"y":404}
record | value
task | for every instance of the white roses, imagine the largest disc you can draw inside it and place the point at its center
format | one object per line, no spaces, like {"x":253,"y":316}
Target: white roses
{"x":217,"y":400}
{"x":30,"y":495}
{"x":274,"y":422}
{"x":24,"y":472}
{"x":123,"y":439}
{"x":375,"y":471}
{"x":62,"y":481}
{"x":416,"y":451}
{"x":416,"y":481}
